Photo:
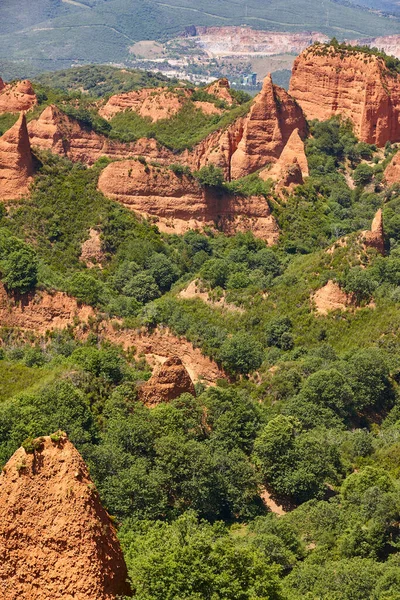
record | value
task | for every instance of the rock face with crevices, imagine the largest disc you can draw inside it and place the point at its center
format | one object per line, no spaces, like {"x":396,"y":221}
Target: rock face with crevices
{"x":56,"y":540}
{"x":179,"y":203}
{"x":292,"y":165}
{"x":273,"y":117}
{"x":152,"y":103}
{"x":327,"y":81}
{"x":17,"y":97}
{"x":221,"y":90}
{"x":255,"y":140}
{"x":16,"y":161}
{"x":169,"y":382}
{"x":392,"y":171}
{"x":63,"y":135}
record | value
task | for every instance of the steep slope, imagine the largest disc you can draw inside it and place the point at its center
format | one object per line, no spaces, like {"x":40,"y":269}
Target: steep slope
{"x":255,"y":140}
{"x":56,"y":540}
{"x":16,"y":162}
{"x":179,"y":203}
{"x":392,"y":171}
{"x":272,"y":118}
{"x":292,"y":165}
{"x":61,"y":134}
{"x":329,"y":81}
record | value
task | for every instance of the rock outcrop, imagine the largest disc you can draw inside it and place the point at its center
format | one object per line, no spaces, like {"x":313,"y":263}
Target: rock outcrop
{"x":272,"y":118}
{"x":392,"y":171}
{"x":56,"y":131}
{"x":41,"y":311}
{"x":221,"y":90}
{"x":16,"y":161}
{"x":375,"y":237}
{"x":159,"y":345}
{"x":330,"y":297}
{"x":292,"y":165}
{"x":255,"y":140}
{"x":154,"y":103}
{"x":17,"y":97}
{"x":56,"y":540}
{"x":92,"y":253}
{"x":179,"y":203}
{"x":327,"y":81}
{"x":169,"y":382}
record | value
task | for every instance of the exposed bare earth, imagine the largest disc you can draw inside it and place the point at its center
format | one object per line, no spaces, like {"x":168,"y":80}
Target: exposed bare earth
{"x":56,"y":540}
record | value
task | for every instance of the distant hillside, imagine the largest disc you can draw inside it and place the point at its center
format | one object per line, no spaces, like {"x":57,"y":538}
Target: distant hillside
{"x":50,"y":34}
{"x":100,"y":80}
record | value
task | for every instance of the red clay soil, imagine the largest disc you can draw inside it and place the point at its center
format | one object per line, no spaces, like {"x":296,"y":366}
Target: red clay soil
{"x":41,"y":311}
{"x":56,"y":539}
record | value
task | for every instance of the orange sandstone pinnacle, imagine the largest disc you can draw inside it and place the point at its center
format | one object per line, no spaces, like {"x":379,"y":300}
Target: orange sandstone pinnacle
{"x":56,"y":539}
{"x":16,"y":161}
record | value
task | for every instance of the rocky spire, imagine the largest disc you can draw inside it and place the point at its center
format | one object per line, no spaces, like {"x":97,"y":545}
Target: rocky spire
{"x":168,"y":383}
{"x":16,"y":162}
{"x":56,"y":539}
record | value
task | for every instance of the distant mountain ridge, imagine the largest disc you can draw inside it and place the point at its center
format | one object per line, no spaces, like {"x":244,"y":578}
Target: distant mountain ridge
{"x":50,"y":34}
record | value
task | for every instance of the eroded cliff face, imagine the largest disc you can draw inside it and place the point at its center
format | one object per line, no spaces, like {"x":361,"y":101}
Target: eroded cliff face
{"x":164,"y":103}
{"x":392,"y":171}
{"x":170,"y":381}
{"x":327,"y":81}
{"x":291,"y":167}
{"x":61,"y":134}
{"x":255,"y":140}
{"x":272,"y":118}
{"x":16,"y":161}
{"x":17,"y":97}
{"x":179,"y":203}
{"x":41,"y":311}
{"x":56,"y":540}
{"x":221,"y":90}
{"x":155,"y":103}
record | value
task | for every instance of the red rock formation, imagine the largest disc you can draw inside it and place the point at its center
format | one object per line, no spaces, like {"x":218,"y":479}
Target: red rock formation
{"x":327,"y":81}
{"x":253,"y":141}
{"x":159,"y":345}
{"x":2,"y":84}
{"x":392,"y":171}
{"x":56,"y":540}
{"x":330,"y":297}
{"x":291,"y":166}
{"x":155,"y":103}
{"x":17,"y":97}
{"x":16,"y":162}
{"x":272,"y":118}
{"x":61,"y":134}
{"x":375,"y":238}
{"x":221,"y":90}
{"x":41,"y":311}
{"x":169,"y":382}
{"x":216,"y":149}
{"x":180,"y":203}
